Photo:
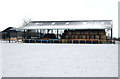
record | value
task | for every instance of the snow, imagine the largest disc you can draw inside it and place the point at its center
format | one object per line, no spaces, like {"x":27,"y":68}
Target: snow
{"x":0,"y":61}
{"x":67,"y":27}
{"x":59,"y":60}
{"x":83,"y":24}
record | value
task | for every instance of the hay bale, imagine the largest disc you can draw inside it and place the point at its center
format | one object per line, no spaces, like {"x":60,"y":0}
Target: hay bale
{"x":63,"y":41}
{"x":107,"y":37}
{"x":87,"y":36}
{"x":78,"y":33}
{"x":82,"y":32}
{"x":67,"y":36}
{"x":95,"y":32}
{"x":96,"y":36}
{"x":91,"y":32}
{"x":91,"y":36}
{"x":70,"y":33}
{"x":73,"y":36}
{"x":79,"y":36}
{"x":76,"y":36}
{"x":103,"y":37}
{"x":86,"y":32}
{"x":83,"y":36}
{"x":101,"y":32}
{"x":70,"y":36}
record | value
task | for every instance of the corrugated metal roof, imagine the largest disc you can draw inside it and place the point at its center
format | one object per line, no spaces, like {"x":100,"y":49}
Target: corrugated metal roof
{"x":83,"y":24}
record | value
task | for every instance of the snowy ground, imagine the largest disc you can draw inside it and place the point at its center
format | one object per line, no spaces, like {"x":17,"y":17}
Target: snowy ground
{"x":60,"y":60}
{"x":0,"y":61}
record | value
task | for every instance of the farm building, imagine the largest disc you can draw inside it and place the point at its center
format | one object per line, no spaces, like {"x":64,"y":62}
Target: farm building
{"x":84,"y":31}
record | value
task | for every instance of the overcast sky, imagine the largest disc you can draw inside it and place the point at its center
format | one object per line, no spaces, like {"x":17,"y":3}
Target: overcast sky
{"x":12,"y":12}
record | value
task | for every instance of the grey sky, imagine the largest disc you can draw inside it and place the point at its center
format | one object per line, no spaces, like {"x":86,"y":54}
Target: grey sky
{"x":12,"y":12}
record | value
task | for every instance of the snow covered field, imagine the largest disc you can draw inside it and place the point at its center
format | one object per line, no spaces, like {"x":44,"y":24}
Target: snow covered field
{"x":60,"y":60}
{"x":0,"y":60}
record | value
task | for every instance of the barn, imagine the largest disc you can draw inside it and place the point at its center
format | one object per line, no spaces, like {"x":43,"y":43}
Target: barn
{"x":78,"y":32}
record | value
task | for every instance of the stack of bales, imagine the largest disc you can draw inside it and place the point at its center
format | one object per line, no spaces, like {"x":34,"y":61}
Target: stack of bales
{"x":84,"y":34}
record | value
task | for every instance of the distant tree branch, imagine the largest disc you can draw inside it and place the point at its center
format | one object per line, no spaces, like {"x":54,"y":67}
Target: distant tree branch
{"x":26,"y":22}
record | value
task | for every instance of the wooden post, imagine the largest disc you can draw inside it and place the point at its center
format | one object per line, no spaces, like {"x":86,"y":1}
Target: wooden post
{"x":47,"y":41}
{"x":41,"y":41}
{"x":85,"y":41}
{"x":105,"y":41}
{"x":98,"y":41}
{"x":29,"y":40}
{"x":9,"y":35}
{"x":79,"y":41}
{"x":92,"y":41}
{"x":53,"y":41}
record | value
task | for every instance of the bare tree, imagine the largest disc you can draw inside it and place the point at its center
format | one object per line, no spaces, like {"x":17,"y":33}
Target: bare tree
{"x":26,"y":22}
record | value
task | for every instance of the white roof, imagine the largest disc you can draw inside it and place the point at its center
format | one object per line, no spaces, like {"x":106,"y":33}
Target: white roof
{"x":98,"y":24}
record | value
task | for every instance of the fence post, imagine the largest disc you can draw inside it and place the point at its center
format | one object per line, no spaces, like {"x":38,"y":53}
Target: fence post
{"x":9,"y":35}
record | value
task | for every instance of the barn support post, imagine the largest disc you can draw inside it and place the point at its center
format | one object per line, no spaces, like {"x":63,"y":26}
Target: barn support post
{"x":52,"y":31}
{"x":57,"y":33}
{"x":24,"y":34}
{"x":37,"y":34}
{"x":89,"y":33}
{"x":40,"y":33}
{"x":16,"y":36}
{"x":46,"y":31}
{"x":111,"y":33}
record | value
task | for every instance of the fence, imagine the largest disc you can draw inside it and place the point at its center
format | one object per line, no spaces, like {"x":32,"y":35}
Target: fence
{"x":68,"y":41}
